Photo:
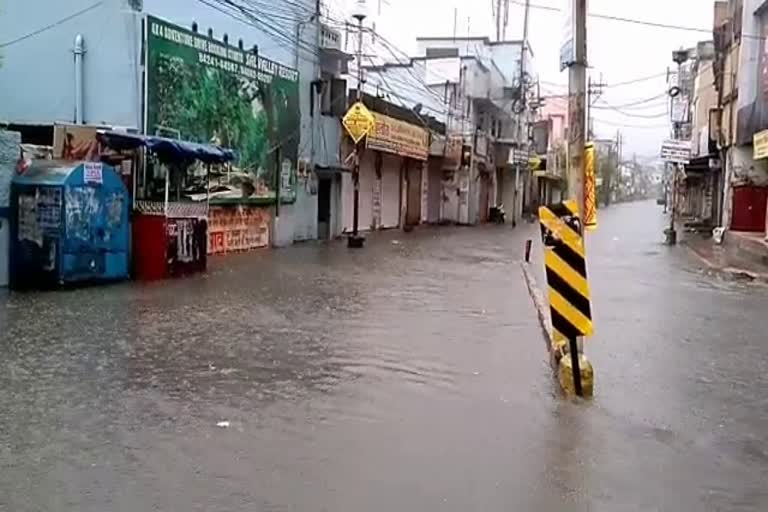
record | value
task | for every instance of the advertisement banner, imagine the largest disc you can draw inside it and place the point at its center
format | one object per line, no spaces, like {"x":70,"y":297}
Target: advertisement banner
{"x":398,"y":137}
{"x":202,"y":90}
{"x":590,"y":187}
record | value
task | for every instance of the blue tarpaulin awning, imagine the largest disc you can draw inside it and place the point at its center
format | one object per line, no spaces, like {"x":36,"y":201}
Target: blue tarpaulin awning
{"x":168,"y":150}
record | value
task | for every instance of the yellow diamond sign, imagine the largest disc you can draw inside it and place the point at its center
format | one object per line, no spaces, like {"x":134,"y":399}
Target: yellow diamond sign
{"x":358,"y":121}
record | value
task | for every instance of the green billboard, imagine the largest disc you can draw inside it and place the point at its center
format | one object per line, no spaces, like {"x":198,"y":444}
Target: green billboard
{"x":202,"y":90}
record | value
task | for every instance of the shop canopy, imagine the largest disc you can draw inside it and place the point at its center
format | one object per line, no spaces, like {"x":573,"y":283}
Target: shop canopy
{"x":167,"y":150}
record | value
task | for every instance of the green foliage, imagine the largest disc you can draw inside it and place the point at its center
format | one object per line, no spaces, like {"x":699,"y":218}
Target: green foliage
{"x":207,"y":105}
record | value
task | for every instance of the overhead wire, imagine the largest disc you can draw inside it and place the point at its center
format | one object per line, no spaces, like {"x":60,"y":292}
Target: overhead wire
{"x":50,"y":26}
{"x":285,"y":40}
{"x":635,"y":21}
{"x":397,"y":96}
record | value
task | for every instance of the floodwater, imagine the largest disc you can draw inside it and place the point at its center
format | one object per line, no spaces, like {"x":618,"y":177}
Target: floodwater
{"x":410,"y":375}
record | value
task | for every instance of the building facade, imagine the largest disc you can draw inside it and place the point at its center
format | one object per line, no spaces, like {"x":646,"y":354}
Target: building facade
{"x":100,"y":53}
{"x":740,"y":58}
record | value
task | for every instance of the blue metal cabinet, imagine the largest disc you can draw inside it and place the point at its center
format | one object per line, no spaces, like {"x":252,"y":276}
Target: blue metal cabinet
{"x":69,"y":224}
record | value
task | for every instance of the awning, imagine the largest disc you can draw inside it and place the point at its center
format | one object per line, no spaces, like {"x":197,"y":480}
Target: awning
{"x":547,"y":176}
{"x":167,"y":150}
{"x":703,"y":164}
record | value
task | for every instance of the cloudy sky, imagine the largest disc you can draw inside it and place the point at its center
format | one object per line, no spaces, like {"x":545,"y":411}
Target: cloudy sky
{"x":618,"y":51}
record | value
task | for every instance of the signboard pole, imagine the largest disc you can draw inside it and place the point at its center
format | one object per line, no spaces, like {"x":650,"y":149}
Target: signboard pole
{"x":356,"y":241}
{"x":570,"y":305}
{"x":573,"y":346}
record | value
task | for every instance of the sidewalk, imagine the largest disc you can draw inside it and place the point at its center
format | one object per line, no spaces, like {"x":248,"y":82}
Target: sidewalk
{"x":742,"y":255}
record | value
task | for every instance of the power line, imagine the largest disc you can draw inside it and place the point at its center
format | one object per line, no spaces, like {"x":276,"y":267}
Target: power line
{"x":618,"y":84}
{"x":638,"y":102}
{"x":637,"y":80}
{"x":287,"y":41}
{"x":634,"y":21}
{"x":397,"y":96}
{"x":637,"y":116}
{"x":52,"y":25}
{"x":624,"y":125}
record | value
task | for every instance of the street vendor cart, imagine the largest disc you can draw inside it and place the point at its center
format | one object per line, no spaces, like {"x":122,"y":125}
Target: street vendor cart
{"x":171,"y":203}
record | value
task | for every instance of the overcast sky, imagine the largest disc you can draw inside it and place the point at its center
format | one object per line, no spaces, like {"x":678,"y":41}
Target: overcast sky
{"x":618,"y":50}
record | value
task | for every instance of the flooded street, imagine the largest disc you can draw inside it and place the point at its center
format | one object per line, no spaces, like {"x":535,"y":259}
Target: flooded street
{"x":410,"y":375}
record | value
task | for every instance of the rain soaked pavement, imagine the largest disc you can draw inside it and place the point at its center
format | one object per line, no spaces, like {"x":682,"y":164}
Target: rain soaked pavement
{"x":410,"y":375}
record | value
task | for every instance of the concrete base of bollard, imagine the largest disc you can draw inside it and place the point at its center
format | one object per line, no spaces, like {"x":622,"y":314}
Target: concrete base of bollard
{"x":565,"y":376}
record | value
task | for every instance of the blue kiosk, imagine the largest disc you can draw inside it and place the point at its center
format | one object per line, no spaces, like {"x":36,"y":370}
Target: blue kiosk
{"x":69,"y":224}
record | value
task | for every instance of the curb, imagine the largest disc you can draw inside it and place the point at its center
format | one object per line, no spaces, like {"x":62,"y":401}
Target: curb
{"x":542,"y":311}
{"x":735,"y":273}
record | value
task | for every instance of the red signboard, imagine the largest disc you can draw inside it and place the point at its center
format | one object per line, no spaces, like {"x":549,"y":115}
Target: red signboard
{"x":236,"y":229}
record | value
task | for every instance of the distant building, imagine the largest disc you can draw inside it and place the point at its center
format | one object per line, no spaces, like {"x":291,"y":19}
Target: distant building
{"x":472,"y":85}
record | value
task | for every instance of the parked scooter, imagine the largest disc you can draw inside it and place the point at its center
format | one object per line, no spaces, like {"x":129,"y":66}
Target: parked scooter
{"x":497,"y":214}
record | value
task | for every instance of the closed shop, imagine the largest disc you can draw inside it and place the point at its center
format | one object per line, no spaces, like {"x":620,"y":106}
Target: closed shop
{"x":390,"y":191}
{"x":434,"y":189}
{"x":382,"y":176}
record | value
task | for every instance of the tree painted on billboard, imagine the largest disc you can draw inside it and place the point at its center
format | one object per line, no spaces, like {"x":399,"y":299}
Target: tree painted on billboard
{"x":201,"y":90}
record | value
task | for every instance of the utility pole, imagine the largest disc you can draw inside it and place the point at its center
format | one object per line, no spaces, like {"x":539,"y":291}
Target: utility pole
{"x":577,"y":82}
{"x":577,"y":89}
{"x":522,"y":121}
{"x":357,"y":241}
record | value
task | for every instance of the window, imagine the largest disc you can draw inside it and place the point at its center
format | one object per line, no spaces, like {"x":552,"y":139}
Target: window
{"x":333,"y":95}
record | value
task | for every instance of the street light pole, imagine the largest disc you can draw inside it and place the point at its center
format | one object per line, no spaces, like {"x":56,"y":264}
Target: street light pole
{"x":357,"y":241}
{"x":680,"y":57}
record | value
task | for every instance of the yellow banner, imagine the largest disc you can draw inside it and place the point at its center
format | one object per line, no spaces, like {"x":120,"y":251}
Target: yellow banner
{"x":590,"y":187}
{"x":760,"y":143}
{"x":398,"y":137}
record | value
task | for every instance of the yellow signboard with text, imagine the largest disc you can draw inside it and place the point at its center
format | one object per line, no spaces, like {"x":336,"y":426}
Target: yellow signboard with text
{"x":398,"y":137}
{"x":358,"y":121}
{"x":760,"y":142}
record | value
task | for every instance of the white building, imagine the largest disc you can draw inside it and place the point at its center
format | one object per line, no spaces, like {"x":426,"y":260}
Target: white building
{"x":472,"y":86}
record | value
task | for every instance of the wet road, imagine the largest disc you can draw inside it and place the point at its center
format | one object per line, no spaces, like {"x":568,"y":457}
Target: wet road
{"x":407,"y":376}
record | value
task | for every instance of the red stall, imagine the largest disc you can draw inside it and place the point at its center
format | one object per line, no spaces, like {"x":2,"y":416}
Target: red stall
{"x":171,"y":203}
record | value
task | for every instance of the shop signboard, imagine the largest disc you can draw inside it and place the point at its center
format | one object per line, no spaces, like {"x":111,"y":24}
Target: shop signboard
{"x":676,"y":151}
{"x":203,"y":90}
{"x":398,"y":137}
{"x":760,"y":145}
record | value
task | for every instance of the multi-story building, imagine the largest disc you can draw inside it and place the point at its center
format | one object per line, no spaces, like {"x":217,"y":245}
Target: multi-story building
{"x":100,"y":65}
{"x":550,"y":141}
{"x":473,"y":86}
{"x":699,"y":188}
{"x":742,"y":88}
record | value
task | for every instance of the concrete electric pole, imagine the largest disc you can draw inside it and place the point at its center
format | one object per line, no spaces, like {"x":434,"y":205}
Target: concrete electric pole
{"x":577,"y":92}
{"x":577,"y":96}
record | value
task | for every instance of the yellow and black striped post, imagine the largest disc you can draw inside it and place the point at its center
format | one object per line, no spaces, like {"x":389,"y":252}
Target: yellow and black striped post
{"x":566,"y":267}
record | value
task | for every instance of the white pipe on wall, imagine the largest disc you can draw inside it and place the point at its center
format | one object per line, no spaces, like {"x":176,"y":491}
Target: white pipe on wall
{"x":79,"y":98}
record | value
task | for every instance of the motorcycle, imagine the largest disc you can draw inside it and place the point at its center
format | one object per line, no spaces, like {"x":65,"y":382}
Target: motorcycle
{"x":497,"y":214}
